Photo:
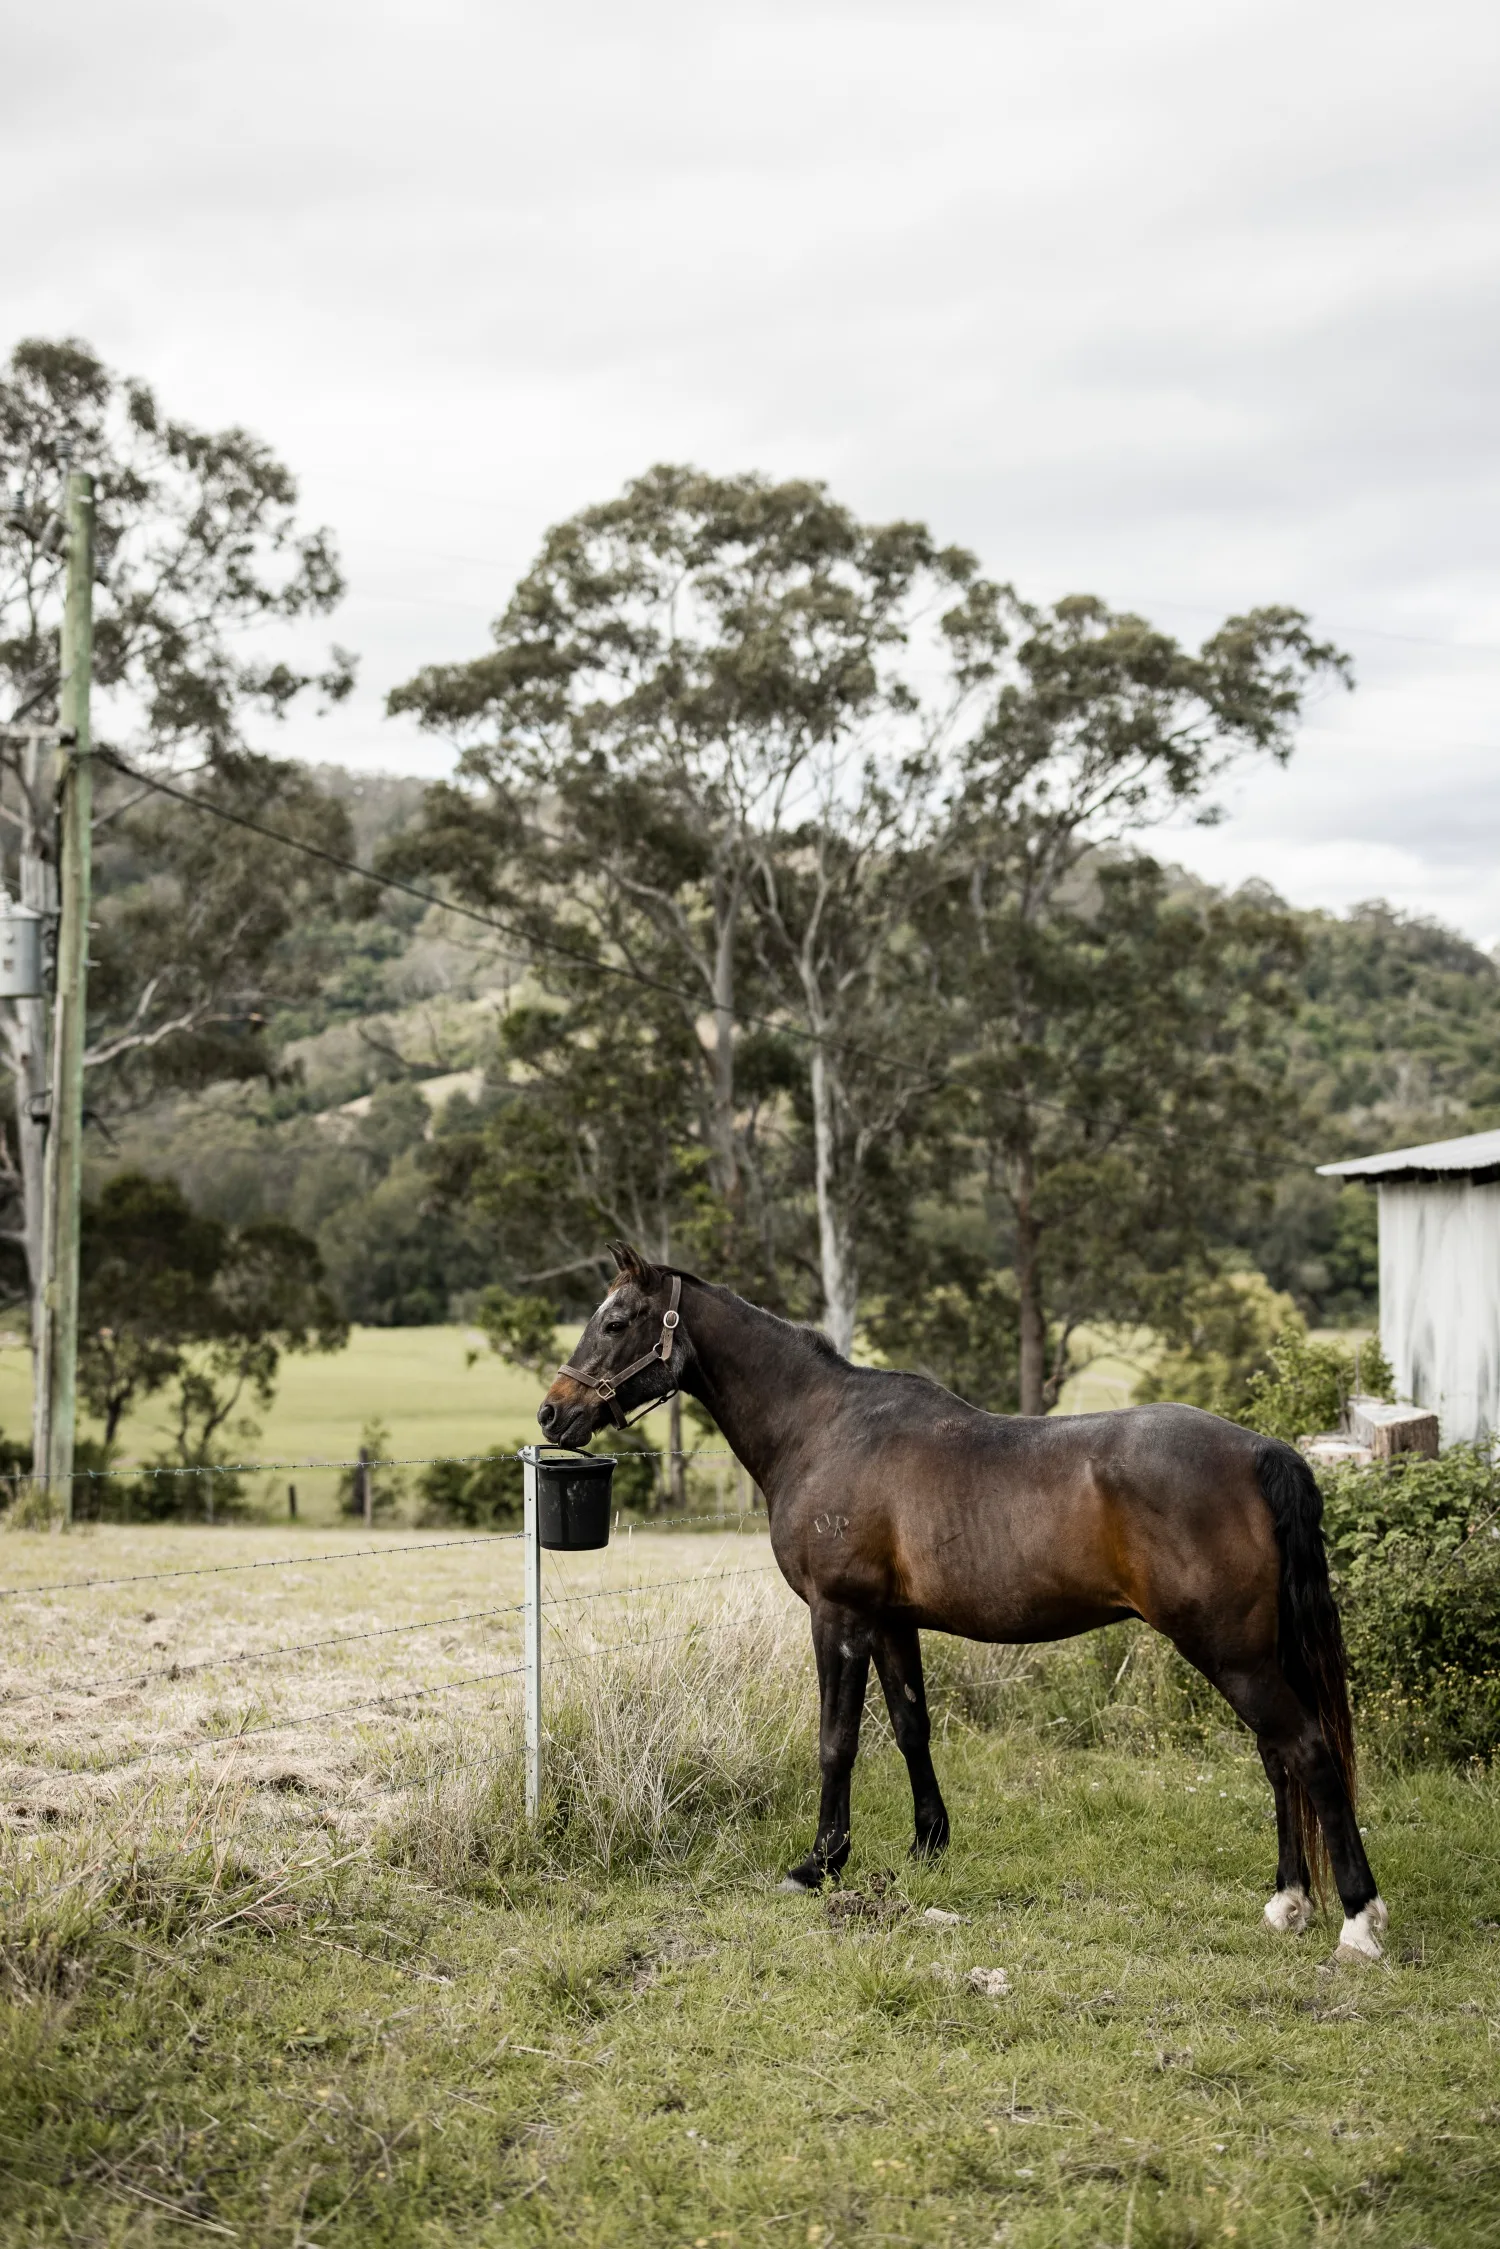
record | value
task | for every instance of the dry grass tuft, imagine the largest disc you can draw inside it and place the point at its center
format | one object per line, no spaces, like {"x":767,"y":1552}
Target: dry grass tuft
{"x":655,"y":1749}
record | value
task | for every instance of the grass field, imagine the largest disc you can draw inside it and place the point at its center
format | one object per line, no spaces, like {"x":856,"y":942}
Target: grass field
{"x":438,"y":1390}
{"x":322,"y":1986}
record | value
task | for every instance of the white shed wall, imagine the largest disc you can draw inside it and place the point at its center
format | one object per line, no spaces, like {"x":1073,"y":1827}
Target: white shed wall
{"x":1440,"y":1299}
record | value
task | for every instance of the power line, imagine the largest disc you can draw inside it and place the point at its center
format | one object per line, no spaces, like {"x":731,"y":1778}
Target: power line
{"x":934,"y":1079}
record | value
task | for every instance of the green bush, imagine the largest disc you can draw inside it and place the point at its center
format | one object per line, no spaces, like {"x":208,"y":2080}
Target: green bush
{"x":1414,"y":1546}
{"x":387,"y":1483}
{"x":1228,"y":1328}
{"x":483,"y":1495}
{"x":1304,"y":1386}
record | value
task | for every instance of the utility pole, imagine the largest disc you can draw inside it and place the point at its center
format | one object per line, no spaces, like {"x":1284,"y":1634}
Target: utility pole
{"x":57,"y":1370}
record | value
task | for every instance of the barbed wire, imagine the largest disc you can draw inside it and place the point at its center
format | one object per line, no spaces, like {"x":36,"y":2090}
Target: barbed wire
{"x":742,"y":1516}
{"x":281,"y":1467}
{"x":275,"y":1562}
{"x":308,"y":1718}
{"x":179,"y":1669}
{"x":186,"y":1670}
{"x":384,"y":1699}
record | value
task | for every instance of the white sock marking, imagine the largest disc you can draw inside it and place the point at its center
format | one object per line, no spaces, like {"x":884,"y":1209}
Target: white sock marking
{"x":1290,"y":1910}
{"x":1362,"y":1932}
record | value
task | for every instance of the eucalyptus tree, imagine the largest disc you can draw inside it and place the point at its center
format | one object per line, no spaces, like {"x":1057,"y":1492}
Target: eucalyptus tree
{"x":1118,"y":1045}
{"x":197,"y":545}
{"x":636,"y":746}
{"x":584,"y":1135}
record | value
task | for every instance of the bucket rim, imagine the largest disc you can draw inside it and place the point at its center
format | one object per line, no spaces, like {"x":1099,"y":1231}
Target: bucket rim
{"x":556,"y":1456}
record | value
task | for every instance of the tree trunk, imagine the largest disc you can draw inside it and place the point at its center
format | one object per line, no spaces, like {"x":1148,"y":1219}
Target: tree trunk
{"x":676,"y":1465}
{"x":835,"y":1237}
{"x":1029,"y":1284}
{"x":725,"y":1170}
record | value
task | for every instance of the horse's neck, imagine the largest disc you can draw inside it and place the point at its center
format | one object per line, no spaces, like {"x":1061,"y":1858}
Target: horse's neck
{"x":757,"y":1376}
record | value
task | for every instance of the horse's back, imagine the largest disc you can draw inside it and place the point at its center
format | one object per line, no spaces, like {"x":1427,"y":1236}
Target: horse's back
{"x":1019,"y":1527}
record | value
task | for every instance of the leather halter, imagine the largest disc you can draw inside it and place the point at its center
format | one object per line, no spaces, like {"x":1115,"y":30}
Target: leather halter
{"x":607,"y":1385}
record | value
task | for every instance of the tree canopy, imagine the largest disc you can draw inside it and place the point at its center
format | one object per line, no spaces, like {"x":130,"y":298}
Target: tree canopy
{"x":199,"y":556}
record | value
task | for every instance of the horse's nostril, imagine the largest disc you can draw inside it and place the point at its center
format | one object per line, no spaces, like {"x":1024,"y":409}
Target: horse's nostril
{"x":546,"y":1415}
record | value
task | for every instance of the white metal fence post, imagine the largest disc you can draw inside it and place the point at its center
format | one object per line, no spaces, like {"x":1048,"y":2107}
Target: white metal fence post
{"x":531,"y":1563}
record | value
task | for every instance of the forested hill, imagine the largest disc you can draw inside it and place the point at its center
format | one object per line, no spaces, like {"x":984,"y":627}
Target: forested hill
{"x":388,"y":1015}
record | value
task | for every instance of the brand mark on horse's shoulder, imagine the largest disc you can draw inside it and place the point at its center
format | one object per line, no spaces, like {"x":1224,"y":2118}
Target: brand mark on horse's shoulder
{"x":830,"y":1526}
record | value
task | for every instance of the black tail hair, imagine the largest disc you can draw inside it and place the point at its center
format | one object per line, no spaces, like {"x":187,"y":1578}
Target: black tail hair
{"x":1310,"y":1639}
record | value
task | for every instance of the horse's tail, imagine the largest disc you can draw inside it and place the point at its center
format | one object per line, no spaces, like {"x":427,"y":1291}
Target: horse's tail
{"x":1311,"y":1639}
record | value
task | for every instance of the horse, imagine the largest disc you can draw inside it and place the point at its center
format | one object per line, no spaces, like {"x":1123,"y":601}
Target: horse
{"x":895,"y":1507}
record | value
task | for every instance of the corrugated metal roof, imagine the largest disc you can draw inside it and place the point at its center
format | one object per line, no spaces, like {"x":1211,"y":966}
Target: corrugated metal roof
{"x":1435,"y":1159}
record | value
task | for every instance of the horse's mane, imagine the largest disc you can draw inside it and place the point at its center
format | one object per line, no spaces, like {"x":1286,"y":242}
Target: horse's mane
{"x":802,"y":1329}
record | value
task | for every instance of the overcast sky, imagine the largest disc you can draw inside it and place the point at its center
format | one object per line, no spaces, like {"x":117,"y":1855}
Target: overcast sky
{"x":1192,"y":306}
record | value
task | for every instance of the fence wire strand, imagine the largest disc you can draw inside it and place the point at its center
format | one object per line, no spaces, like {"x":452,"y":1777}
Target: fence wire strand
{"x":276,"y":1562}
{"x":191,"y":1666}
{"x":739,"y":1519}
{"x":658,"y":1524}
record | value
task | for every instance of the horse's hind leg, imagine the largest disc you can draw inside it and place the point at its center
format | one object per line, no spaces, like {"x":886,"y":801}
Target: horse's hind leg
{"x":898,"y":1659}
{"x":1290,"y":1909}
{"x":841,"y":1642}
{"x":1286,"y":1729}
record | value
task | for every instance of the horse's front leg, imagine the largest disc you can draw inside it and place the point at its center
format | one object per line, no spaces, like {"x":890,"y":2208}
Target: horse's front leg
{"x":898,"y":1659}
{"x":841,"y":1642}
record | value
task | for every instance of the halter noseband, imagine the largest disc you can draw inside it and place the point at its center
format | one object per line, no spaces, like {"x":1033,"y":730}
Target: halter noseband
{"x":608,"y":1385}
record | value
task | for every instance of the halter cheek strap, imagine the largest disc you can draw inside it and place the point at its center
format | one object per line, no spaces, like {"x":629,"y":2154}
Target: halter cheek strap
{"x":606,"y":1386}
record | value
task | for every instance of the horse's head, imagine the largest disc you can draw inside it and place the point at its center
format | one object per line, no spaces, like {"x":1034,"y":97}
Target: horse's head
{"x":625,"y":1356}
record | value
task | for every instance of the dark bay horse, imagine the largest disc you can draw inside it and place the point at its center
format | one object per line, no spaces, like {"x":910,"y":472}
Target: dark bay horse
{"x":894,"y":1506}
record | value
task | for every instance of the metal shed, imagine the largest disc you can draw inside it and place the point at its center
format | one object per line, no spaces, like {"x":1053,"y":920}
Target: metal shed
{"x":1440,"y":1275}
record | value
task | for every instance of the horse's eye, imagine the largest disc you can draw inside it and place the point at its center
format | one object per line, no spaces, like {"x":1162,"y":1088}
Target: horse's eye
{"x":615,"y":1327}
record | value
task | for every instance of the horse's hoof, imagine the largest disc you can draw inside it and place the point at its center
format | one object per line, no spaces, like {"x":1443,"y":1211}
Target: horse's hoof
{"x":1359,"y":1938}
{"x":797,"y":1885}
{"x":1290,"y":1910}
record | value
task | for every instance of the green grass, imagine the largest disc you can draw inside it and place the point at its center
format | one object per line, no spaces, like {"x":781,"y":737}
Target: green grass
{"x":668,"y":2060}
{"x":329,"y":1988}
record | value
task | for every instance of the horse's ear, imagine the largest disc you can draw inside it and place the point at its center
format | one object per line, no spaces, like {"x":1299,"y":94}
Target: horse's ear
{"x":631,"y":1266}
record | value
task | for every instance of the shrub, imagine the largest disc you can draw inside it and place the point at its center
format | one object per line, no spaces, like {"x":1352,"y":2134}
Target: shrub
{"x":1305,"y":1386}
{"x":387,"y":1484}
{"x":637,"y":1480}
{"x":1229,"y":1326}
{"x":483,"y":1495}
{"x":1415,"y":1549}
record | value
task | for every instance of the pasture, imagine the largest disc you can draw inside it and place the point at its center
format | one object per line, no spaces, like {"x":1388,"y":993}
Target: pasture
{"x":437,"y":1389}
{"x":322,"y":1986}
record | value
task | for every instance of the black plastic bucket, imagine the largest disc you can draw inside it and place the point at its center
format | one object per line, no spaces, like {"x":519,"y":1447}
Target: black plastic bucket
{"x":573,"y":1500}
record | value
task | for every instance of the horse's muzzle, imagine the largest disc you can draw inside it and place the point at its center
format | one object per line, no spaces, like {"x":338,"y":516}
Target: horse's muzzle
{"x":569,"y":1414}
